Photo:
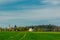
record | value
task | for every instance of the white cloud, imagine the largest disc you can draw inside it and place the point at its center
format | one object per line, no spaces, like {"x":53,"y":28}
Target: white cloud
{"x":53,"y":2}
{"x":8,"y":18}
{"x":32,"y":14}
{"x":47,"y":13}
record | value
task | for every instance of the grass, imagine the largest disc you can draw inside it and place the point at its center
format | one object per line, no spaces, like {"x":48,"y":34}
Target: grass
{"x":29,"y":35}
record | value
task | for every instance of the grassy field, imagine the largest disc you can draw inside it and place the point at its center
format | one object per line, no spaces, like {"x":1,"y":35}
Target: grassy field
{"x":29,"y":35}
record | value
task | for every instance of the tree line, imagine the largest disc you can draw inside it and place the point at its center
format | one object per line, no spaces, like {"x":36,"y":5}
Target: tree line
{"x":37,"y":28}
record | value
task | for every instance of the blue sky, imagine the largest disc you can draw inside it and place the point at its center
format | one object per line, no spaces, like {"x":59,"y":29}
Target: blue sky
{"x":29,"y":12}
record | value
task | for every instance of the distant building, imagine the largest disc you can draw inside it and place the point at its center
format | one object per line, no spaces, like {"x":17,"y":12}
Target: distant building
{"x":31,"y":29}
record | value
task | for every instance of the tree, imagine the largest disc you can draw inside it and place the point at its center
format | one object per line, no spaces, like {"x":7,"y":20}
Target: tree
{"x":15,"y":28}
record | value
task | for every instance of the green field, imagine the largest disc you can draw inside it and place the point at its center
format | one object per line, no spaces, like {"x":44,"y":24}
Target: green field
{"x":29,"y":35}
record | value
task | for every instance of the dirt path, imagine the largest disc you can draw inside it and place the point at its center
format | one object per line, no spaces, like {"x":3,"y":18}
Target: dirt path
{"x":23,"y":36}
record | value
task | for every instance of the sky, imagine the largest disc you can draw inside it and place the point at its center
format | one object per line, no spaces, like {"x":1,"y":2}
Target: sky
{"x":29,"y":12}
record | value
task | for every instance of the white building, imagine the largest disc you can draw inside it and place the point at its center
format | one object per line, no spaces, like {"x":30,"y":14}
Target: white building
{"x":30,"y":29}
